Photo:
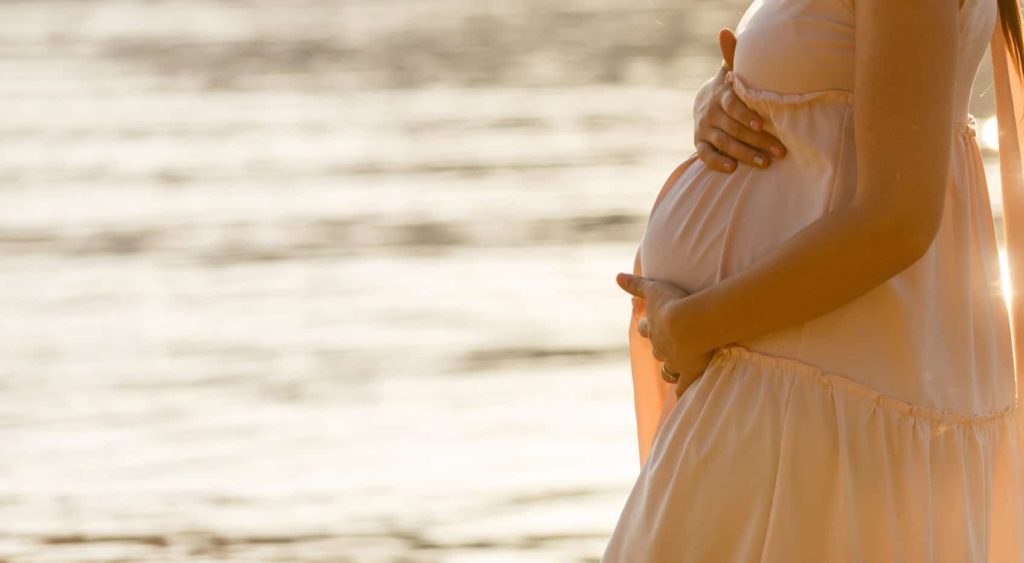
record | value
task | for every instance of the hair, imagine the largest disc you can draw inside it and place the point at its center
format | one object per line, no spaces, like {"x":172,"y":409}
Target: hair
{"x":1009,"y":13}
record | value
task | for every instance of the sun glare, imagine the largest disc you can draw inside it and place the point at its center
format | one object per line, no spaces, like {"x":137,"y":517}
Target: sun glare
{"x":990,"y":134}
{"x":1004,"y":277}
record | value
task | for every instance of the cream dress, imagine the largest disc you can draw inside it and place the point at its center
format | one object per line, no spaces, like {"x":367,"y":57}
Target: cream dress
{"x":885,"y":430}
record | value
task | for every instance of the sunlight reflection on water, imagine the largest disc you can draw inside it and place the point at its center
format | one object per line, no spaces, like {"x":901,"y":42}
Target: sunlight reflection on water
{"x":301,"y":281}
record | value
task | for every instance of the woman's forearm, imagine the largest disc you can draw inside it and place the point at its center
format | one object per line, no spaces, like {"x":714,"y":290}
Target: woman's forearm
{"x":824,"y":266}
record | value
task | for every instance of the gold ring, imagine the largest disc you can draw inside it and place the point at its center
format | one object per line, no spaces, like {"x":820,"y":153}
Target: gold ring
{"x":669,"y":376}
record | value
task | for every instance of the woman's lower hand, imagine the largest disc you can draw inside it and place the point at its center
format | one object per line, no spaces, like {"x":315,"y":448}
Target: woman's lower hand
{"x":678,"y":353}
{"x":726,"y":131}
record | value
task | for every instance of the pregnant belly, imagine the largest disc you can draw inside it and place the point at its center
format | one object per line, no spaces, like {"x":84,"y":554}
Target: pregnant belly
{"x":710,"y":224}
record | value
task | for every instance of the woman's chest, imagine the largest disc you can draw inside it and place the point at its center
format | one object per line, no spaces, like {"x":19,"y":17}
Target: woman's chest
{"x":796,"y":45}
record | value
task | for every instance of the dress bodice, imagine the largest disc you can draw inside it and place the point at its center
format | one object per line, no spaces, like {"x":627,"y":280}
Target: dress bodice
{"x":934,"y":335}
{"x":797,"y":46}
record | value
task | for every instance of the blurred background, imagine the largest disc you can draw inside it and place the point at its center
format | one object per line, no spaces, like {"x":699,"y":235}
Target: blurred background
{"x":330,"y":280}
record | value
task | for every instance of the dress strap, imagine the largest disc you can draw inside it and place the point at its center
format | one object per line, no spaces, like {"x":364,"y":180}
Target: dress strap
{"x":1009,"y":94}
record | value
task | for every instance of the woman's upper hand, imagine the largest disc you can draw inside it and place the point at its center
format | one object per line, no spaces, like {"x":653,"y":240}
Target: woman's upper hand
{"x":725,"y":130}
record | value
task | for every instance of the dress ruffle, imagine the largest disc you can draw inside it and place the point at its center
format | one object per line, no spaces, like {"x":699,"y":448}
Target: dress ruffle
{"x":787,"y":457}
{"x":747,"y":93}
{"x":966,"y":125}
{"x":836,"y":383}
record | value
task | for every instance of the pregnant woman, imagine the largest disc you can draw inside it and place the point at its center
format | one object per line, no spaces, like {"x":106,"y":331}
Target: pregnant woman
{"x":822,"y":354}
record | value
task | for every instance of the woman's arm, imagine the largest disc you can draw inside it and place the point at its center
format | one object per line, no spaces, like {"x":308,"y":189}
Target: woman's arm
{"x":904,"y":130}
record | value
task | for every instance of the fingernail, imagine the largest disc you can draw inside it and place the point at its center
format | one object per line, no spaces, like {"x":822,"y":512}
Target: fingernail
{"x":777,"y":151}
{"x":755,"y":125}
{"x":759,"y":160}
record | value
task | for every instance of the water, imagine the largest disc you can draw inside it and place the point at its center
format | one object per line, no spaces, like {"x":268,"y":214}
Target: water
{"x":327,"y":281}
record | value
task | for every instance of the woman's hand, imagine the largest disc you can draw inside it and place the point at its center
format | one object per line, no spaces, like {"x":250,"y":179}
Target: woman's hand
{"x":725,"y":129}
{"x":677,"y":352}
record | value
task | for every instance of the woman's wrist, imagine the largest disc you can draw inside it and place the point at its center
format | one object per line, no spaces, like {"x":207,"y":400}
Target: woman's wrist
{"x":695,"y":338}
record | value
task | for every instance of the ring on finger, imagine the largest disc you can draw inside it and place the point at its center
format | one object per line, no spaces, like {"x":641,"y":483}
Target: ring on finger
{"x":668,"y":376}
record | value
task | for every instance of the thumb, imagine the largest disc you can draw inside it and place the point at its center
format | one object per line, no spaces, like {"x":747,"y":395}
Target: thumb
{"x":632,"y":284}
{"x":727,"y":42}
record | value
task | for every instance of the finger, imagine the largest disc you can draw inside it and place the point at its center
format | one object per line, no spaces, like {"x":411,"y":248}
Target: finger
{"x":761,"y":141}
{"x":636,"y":285}
{"x":727,"y":144}
{"x":643,"y":327}
{"x":684,"y":383}
{"x":746,"y":125}
{"x":738,"y":110}
{"x":714,"y":159}
{"x":727,"y":42}
{"x":658,"y":354}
